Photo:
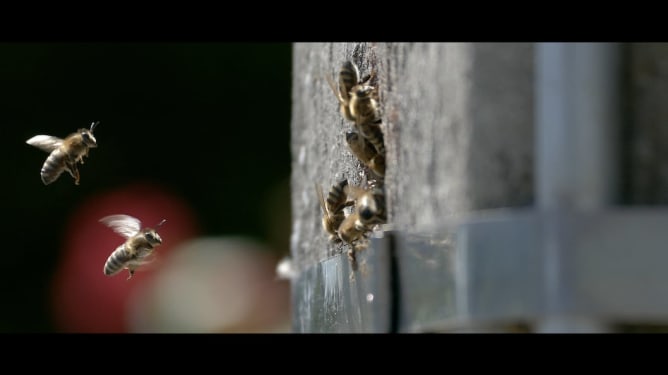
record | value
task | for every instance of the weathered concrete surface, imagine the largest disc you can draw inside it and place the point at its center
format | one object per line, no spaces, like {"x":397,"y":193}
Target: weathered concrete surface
{"x":458,"y":132}
{"x":458,"y":124}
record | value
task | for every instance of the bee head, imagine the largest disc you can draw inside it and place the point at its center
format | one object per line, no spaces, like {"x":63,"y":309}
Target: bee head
{"x":363,"y":91}
{"x":366,"y":214}
{"x":371,"y":207}
{"x":352,"y":137}
{"x":88,"y":138}
{"x":87,"y":135}
{"x":152,"y":237}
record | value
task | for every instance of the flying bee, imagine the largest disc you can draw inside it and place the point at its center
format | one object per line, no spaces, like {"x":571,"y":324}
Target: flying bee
{"x":364,"y":150}
{"x":64,"y":154}
{"x":348,"y":78}
{"x":138,"y":246}
{"x":332,"y":208}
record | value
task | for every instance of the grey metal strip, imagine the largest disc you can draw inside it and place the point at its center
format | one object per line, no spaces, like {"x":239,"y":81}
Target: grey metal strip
{"x":491,"y":269}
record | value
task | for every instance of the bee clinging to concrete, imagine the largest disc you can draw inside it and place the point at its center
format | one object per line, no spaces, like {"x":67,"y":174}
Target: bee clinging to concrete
{"x":369,"y":210}
{"x":352,"y":229}
{"x":64,"y":154}
{"x":365,"y":151}
{"x":364,"y":108}
{"x":139,"y":244}
{"x":348,"y":79}
{"x":372,"y":133}
{"x":332,"y":208}
{"x":359,"y":103}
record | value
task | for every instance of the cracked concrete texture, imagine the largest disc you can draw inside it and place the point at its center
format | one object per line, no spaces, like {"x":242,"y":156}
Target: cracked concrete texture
{"x":457,"y":119}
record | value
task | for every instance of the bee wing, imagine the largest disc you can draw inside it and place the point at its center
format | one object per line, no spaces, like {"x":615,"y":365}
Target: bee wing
{"x":354,"y":192}
{"x":136,"y":263}
{"x":321,"y":197}
{"x":146,"y":263}
{"x":337,"y":93}
{"x":45,"y":142}
{"x":126,"y":226}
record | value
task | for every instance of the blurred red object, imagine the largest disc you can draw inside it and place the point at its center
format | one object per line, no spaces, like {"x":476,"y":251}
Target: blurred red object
{"x":83,"y":298}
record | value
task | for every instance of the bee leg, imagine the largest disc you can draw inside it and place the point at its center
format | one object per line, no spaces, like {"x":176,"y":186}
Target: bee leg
{"x":362,"y":243}
{"x":76,"y":175}
{"x":377,"y":165}
{"x":71,"y":168}
{"x":368,"y":77}
{"x":353,"y":259}
{"x":81,"y":158}
{"x":131,"y":272}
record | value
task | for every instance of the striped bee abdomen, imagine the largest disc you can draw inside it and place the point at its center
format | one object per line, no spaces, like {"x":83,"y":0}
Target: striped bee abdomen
{"x":117,"y":261}
{"x":377,"y":166}
{"x":336,"y":198}
{"x":374,"y":135}
{"x":364,"y":106}
{"x":348,"y":77}
{"x":54,"y":165}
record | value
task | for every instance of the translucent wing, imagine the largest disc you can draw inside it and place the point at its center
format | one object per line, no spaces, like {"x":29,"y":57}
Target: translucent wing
{"x":354,"y":192}
{"x":137,"y":263}
{"x":45,"y":142}
{"x":348,"y":77}
{"x":126,"y":226}
{"x":321,"y":198}
{"x":337,"y":93}
{"x":143,"y":264}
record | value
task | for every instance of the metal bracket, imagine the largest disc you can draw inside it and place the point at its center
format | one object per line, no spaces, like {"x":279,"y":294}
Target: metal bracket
{"x":331,"y":297}
{"x":501,"y":266}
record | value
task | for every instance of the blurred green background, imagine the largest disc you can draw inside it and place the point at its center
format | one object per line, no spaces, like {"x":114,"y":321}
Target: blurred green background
{"x":208,"y":121}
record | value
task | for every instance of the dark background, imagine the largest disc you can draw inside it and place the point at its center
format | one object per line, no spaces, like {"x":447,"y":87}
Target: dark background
{"x":208,"y":121}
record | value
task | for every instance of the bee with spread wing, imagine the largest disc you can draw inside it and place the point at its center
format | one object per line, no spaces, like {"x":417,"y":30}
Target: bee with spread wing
{"x":64,"y":154}
{"x":138,"y":246}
